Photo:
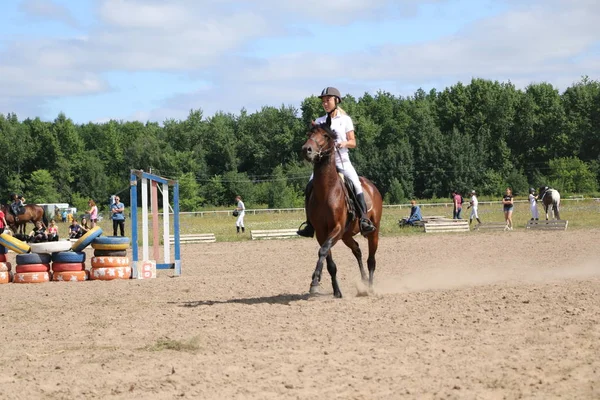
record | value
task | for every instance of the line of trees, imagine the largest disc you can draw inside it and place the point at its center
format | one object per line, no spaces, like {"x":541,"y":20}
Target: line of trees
{"x":485,"y":135}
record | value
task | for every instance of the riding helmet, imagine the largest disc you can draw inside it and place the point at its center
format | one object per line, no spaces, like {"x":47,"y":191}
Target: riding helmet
{"x":331,"y":91}
{"x":531,"y":190}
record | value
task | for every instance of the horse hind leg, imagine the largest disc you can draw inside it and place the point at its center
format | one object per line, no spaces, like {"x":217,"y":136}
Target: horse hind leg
{"x":353,"y":245}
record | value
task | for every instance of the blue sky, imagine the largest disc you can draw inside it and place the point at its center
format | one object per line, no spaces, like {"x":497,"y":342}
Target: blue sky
{"x":97,"y":60}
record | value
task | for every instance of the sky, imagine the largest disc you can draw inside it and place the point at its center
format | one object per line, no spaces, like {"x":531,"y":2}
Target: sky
{"x":153,"y":60}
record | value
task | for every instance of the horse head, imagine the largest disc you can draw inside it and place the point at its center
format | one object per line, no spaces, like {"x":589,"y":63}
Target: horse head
{"x":320,"y":143}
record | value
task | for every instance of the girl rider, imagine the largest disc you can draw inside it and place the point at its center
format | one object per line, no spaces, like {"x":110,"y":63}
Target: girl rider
{"x":342,"y":124}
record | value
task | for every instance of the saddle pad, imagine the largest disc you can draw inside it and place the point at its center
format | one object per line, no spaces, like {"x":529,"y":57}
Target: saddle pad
{"x":368,"y":200}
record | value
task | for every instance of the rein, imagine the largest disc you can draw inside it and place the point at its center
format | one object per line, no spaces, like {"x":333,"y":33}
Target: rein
{"x":320,"y":152}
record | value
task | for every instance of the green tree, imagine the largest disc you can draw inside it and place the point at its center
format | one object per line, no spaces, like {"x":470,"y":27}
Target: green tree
{"x":189,"y":193}
{"x":572,"y":175}
{"x":41,"y":188}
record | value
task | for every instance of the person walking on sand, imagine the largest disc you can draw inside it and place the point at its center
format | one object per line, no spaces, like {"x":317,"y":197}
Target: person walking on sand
{"x":473,"y":205}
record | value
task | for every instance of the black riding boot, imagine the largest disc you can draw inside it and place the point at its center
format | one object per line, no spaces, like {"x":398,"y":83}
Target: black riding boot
{"x":238,"y":229}
{"x":243,"y":229}
{"x":308,"y":230}
{"x":366,"y":226}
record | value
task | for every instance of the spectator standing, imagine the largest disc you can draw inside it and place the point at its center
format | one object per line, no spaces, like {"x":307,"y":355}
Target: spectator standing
{"x":241,"y":209}
{"x":3,"y":223}
{"x":508,"y":205}
{"x":117,"y":213}
{"x":457,"y":200}
{"x":533,"y":205}
{"x":93,"y":211}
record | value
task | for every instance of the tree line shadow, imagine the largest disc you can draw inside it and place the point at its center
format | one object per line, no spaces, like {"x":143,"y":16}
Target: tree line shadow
{"x":283,"y":299}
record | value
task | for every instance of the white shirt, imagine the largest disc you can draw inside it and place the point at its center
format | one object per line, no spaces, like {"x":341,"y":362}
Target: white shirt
{"x":241,"y":205}
{"x":474,"y":201}
{"x":340,"y":124}
{"x":531,"y":199}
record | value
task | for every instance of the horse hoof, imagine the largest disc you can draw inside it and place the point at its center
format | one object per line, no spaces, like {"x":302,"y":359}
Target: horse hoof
{"x":337,"y":295}
{"x":361,"y":289}
{"x":314,"y":289}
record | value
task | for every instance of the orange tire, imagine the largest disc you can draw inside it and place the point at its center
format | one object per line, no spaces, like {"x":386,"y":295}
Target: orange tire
{"x":31,"y":277}
{"x":70,"y":276}
{"x":5,"y":266}
{"x":32,"y":268}
{"x":109,"y":262}
{"x":108,"y":274}
{"x":5,"y":277}
{"x":67,"y":267}
{"x":2,"y":257}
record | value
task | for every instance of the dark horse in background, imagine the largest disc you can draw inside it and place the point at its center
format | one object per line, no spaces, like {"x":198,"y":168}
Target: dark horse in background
{"x":30,"y":213}
{"x":550,"y":198}
{"x":329,"y":211}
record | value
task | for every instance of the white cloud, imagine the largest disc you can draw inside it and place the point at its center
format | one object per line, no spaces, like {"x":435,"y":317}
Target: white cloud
{"x":535,"y":40}
{"x":48,"y":9}
{"x":522,"y":42}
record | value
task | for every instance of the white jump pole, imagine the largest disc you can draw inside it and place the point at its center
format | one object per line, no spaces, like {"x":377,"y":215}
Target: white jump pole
{"x":166,"y":240}
{"x":145,"y":255}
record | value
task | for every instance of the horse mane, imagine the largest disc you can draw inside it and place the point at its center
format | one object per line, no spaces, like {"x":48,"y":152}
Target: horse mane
{"x":327,"y":128}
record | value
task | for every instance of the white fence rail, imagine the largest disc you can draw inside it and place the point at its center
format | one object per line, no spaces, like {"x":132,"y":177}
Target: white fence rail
{"x":400,"y":206}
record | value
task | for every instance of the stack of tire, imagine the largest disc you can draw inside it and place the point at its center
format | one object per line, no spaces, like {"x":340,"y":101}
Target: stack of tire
{"x":30,"y":268}
{"x":69,"y":266}
{"x":110,"y":259}
{"x":5,"y":266}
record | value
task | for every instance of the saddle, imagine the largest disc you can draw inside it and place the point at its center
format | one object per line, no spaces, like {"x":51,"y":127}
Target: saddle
{"x":20,"y":210}
{"x":350,"y":197}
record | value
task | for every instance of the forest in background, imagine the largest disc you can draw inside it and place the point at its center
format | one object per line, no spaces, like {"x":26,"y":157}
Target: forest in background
{"x":485,"y":135}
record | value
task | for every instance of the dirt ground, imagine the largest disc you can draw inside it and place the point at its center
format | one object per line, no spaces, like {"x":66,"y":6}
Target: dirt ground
{"x":500,"y":315}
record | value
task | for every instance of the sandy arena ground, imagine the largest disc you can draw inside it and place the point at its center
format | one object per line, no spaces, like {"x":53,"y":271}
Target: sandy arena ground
{"x":501,"y":315}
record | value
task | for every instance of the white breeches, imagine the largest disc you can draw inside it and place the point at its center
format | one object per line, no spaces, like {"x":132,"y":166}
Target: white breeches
{"x":240,"y":220}
{"x":534,"y":211}
{"x":474,"y":214}
{"x":349,"y":172}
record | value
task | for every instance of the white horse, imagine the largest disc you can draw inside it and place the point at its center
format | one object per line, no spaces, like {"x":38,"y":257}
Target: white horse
{"x":550,"y":197}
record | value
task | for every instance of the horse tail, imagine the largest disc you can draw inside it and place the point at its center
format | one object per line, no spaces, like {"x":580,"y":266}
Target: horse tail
{"x":44,"y":218}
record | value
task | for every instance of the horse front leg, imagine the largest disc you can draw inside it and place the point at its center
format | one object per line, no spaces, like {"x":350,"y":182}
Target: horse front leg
{"x":371,"y":262}
{"x":324,"y":252}
{"x":332,"y":268}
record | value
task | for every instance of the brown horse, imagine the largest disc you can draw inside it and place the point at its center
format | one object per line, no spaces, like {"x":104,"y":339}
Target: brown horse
{"x":328,"y":211}
{"x":31,"y":213}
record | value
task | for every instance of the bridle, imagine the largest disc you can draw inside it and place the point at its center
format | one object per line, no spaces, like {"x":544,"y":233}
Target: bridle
{"x":322,"y":150}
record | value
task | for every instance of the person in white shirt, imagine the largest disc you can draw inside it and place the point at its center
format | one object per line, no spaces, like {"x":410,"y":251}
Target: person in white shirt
{"x":533,"y":205}
{"x":342,"y":124}
{"x":473,"y":205}
{"x":241,"y":209}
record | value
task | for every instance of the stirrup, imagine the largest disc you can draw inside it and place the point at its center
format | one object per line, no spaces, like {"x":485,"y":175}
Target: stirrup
{"x":366,"y":226}
{"x":307,"y":231}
